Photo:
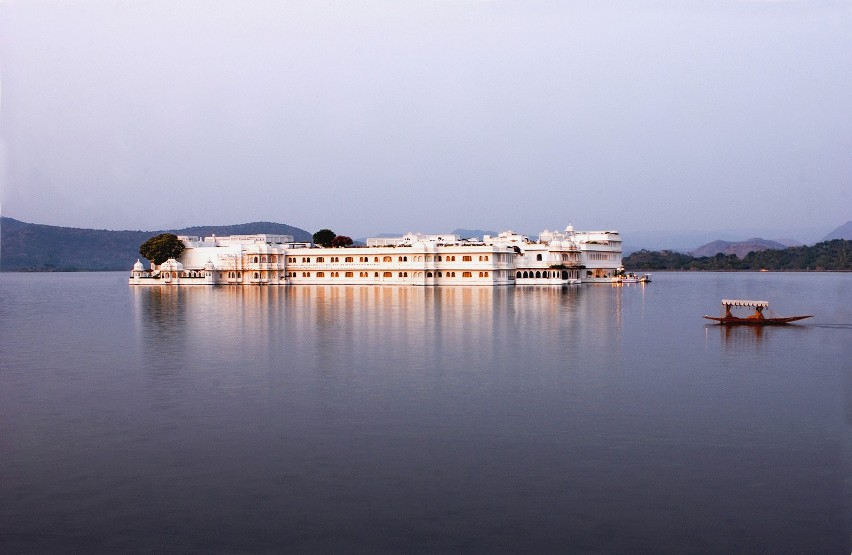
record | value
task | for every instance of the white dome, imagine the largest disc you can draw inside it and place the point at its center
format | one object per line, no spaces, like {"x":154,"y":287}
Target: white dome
{"x":138,"y":267}
{"x":171,"y":265}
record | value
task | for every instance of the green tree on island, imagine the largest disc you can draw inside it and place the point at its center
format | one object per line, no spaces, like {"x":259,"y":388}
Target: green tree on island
{"x":341,"y":241}
{"x":160,"y":248}
{"x":324,"y":237}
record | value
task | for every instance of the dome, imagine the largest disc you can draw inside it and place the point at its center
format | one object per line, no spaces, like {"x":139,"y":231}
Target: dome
{"x":138,"y":267}
{"x":171,"y":265}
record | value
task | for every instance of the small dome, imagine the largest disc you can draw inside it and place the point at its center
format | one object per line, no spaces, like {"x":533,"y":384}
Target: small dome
{"x":138,"y":267}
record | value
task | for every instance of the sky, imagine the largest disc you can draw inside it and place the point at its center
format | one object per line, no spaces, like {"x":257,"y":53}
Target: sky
{"x":370,"y":117}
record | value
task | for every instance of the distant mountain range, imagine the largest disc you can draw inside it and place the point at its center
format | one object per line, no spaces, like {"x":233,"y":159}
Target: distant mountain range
{"x":26,"y":247}
{"x":842,"y":232}
{"x":739,"y":248}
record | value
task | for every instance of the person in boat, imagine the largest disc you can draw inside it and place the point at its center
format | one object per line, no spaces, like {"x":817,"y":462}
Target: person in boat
{"x":758,"y":314}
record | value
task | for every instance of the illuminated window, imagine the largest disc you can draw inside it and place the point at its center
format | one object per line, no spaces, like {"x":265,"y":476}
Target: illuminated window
{"x":467,"y":274}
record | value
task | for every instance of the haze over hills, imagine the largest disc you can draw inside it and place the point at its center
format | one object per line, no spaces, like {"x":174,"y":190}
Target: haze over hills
{"x":739,"y":248}
{"x":842,"y":232}
{"x":36,"y":247}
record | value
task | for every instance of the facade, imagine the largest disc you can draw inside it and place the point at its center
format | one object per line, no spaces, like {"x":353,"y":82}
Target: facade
{"x":555,"y":258}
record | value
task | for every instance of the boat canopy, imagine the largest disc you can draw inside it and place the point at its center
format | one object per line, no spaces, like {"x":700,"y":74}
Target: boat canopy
{"x":735,"y":302}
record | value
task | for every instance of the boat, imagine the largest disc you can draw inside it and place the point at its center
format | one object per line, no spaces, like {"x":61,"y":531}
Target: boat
{"x":757,"y":318}
{"x":631,"y":278}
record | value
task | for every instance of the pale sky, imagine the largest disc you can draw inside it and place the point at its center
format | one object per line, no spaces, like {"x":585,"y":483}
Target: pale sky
{"x":368,"y":117}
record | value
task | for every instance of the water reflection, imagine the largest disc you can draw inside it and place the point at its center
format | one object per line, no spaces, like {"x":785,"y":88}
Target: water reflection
{"x":338,"y":327}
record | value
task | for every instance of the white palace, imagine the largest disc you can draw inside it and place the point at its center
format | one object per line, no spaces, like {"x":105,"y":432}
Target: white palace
{"x":556,"y":258}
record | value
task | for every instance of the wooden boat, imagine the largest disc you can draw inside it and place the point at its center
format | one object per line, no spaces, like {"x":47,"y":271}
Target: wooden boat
{"x":757,"y":318}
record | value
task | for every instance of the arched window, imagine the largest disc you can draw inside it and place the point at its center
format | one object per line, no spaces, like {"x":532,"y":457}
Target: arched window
{"x":518,"y":274}
{"x":255,"y":259}
{"x":388,"y":274}
{"x":538,"y":274}
{"x":349,"y":274}
{"x":349,"y":259}
{"x":428,"y":274}
{"x":320,"y":274}
{"x":386,"y":259}
{"x":538,"y":257}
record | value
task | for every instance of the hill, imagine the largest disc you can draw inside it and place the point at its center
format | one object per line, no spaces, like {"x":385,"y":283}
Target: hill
{"x":739,"y":248}
{"x":842,"y":232}
{"x":833,"y":255}
{"x":26,"y":247}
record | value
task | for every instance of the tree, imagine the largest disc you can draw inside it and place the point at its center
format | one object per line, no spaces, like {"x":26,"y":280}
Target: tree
{"x":324,"y":237}
{"x":341,"y":241}
{"x":160,"y":248}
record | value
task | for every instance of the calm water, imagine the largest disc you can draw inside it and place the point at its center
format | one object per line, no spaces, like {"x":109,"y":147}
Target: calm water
{"x":360,"y":419}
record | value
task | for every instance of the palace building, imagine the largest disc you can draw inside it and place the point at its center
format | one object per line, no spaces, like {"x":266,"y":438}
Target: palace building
{"x":556,"y":258}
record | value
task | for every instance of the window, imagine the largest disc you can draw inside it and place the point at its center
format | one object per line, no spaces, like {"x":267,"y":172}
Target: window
{"x":376,"y":259}
{"x":468,"y":258}
{"x":349,"y":274}
{"x":439,"y":258}
{"x":349,"y":259}
{"x":518,"y":274}
{"x":538,"y":257}
{"x":320,"y":274}
{"x":467,"y":274}
{"x":428,"y":274}
{"x":440,"y":274}
{"x":387,"y":274}
{"x":386,"y":259}
{"x":320,"y":259}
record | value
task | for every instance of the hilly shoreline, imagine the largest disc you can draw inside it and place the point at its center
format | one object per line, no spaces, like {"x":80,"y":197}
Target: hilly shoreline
{"x":27,"y":247}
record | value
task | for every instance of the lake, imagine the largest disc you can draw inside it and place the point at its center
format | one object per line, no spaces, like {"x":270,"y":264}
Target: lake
{"x":590,"y":419}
